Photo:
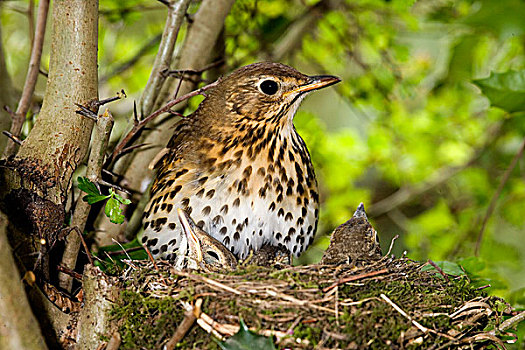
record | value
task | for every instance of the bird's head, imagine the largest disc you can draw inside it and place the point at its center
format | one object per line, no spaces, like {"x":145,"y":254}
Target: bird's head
{"x":265,"y":92}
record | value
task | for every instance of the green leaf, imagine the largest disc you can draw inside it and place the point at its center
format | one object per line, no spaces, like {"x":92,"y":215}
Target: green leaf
{"x":448,"y":267}
{"x":90,"y":198}
{"x":113,"y":211}
{"x":119,"y":197}
{"x":93,"y":194}
{"x":505,"y":90}
{"x":245,"y":339}
{"x":84,"y":184}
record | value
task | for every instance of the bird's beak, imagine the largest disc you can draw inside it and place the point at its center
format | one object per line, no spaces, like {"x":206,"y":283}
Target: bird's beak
{"x":189,"y":228}
{"x":315,"y":83}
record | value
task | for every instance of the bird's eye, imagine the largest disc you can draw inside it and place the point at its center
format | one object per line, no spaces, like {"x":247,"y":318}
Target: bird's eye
{"x":214,"y":256}
{"x":269,"y":87}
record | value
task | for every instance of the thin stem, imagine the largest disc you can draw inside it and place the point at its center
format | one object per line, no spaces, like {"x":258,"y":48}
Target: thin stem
{"x":496,"y":195}
{"x":164,"y":109}
{"x":32,"y":76}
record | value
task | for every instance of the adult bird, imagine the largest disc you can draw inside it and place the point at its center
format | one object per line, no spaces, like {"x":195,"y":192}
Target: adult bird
{"x":238,"y":167}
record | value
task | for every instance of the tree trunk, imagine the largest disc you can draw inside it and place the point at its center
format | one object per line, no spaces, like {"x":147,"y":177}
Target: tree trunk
{"x":36,"y":181}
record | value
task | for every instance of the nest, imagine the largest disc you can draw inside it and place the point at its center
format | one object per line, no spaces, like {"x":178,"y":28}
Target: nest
{"x":393,"y":303}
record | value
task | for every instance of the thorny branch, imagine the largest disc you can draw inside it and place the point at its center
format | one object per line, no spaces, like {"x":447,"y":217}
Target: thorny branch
{"x":31,"y":78}
{"x":139,"y":124}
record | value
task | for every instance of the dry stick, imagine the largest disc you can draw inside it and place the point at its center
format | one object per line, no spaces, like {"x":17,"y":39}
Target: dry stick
{"x":31,"y":78}
{"x":398,"y":309}
{"x":207,"y":280}
{"x":514,"y":320}
{"x":96,"y":160}
{"x":354,"y":278}
{"x":496,"y":195}
{"x":190,"y":316}
{"x":114,"y":342}
{"x":150,"y":257}
{"x":138,"y":125}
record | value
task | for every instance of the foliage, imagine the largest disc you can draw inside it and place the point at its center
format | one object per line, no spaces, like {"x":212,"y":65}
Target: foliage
{"x":245,"y":339}
{"x":430,"y":106}
{"x":112,"y":208}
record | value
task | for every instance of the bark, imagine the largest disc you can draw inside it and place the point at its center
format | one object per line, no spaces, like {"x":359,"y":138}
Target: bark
{"x":100,"y":293}
{"x":36,"y":181}
{"x":19,"y":328}
{"x":6,"y":97}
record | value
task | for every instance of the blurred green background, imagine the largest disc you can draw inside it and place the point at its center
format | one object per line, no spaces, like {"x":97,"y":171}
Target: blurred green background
{"x":408,"y":131}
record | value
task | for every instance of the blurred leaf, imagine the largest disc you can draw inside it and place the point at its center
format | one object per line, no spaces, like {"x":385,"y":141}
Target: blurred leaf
{"x":448,"y":267}
{"x":505,"y":90}
{"x":245,"y":339}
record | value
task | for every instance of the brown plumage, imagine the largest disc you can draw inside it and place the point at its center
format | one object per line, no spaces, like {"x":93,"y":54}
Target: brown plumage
{"x":238,"y":166}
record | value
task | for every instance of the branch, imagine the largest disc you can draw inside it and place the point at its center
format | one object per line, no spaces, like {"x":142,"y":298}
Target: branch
{"x":409,"y":192}
{"x":32,"y":76}
{"x":138,"y":125}
{"x":93,"y":173}
{"x":496,"y":195}
{"x":176,"y":13}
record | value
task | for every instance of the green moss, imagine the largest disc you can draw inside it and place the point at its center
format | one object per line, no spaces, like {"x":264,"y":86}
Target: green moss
{"x":148,"y":320}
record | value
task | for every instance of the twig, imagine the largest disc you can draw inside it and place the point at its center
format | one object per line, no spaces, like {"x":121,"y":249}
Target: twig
{"x":150,"y":257}
{"x":96,"y":159}
{"x":12,"y":137}
{"x":398,"y":309}
{"x":180,"y":72}
{"x":354,"y":278}
{"x":391,"y":245}
{"x":190,"y":316}
{"x":508,"y":323}
{"x":434,"y":265}
{"x":207,"y":280}
{"x":166,"y":108}
{"x":32,"y":75}
{"x":114,"y":342}
{"x":72,"y":273}
{"x":88,"y":253}
{"x":496,"y":195}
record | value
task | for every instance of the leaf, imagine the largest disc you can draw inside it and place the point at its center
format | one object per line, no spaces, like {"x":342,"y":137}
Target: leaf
{"x":93,"y":194}
{"x":113,"y":211}
{"x":505,"y":90}
{"x":84,"y":184}
{"x":245,"y":339}
{"x":448,"y":267}
{"x":94,"y":198}
{"x":119,"y":197}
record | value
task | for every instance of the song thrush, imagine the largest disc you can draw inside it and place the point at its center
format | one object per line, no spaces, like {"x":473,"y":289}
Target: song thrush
{"x":355,"y":242}
{"x":203,"y":251}
{"x":238,"y":166}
